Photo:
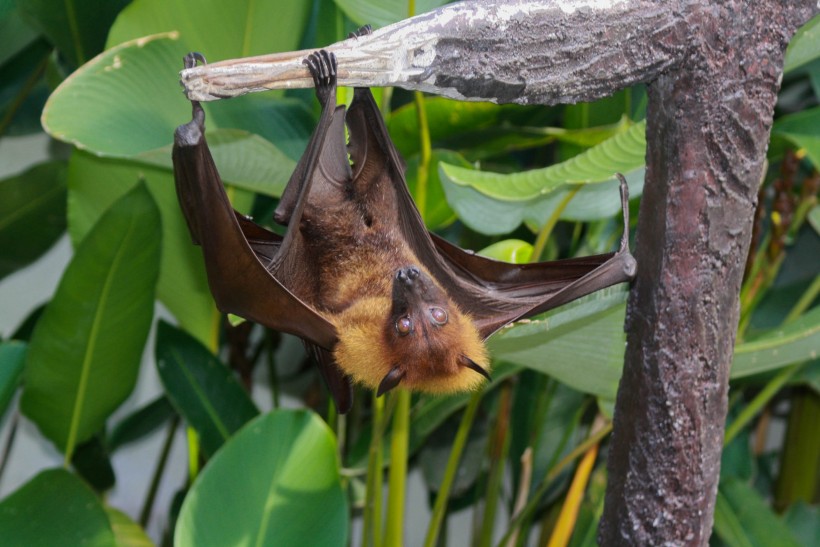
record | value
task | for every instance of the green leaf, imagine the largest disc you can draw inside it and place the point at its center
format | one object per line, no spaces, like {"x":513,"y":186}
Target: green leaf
{"x":494,"y":204}
{"x":814,"y":218}
{"x":127,"y":101}
{"x":127,"y":532}
{"x":557,"y":343}
{"x":32,"y":214}
{"x":493,"y":217}
{"x":141,"y":423}
{"x":244,"y":160}
{"x":468,"y":127}
{"x":12,"y":359}
{"x":17,"y":34}
{"x":797,"y":341}
{"x":75,"y":28}
{"x":201,"y":388}
{"x":381,"y":13}
{"x":513,"y":251}
{"x":804,"y":522}
{"x":742,"y":518}
{"x":54,"y":508}
{"x":218,"y":29}
{"x":804,"y":46}
{"x":286,"y":122}
{"x":437,"y":214}
{"x":432,"y":410}
{"x":23,"y":89}
{"x":123,"y":102}
{"x":809,"y":375}
{"x":25,"y":329}
{"x":85,"y":352}
{"x":435,"y":453}
{"x":95,"y":183}
{"x":624,"y":153}
{"x":546,"y":416}
{"x":275,"y":483}
{"x":91,"y":461}
{"x":803,"y":130}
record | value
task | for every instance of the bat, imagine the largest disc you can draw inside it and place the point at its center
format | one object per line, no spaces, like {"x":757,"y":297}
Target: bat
{"x":376,"y":298}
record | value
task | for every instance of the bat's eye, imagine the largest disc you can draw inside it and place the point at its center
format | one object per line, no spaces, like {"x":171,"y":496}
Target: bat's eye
{"x":439,"y":316}
{"x":404,"y":326}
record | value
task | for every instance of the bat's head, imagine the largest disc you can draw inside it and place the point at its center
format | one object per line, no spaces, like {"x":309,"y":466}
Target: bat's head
{"x":419,"y":339}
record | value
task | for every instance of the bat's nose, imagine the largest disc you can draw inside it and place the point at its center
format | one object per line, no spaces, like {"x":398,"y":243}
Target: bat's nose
{"x":407,"y":275}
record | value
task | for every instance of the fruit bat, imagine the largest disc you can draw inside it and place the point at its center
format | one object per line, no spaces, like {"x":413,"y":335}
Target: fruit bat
{"x":376,"y":298}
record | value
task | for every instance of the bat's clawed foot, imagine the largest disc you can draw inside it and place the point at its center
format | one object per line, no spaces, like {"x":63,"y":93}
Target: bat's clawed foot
{"x":363,"y":31}
{"x":191,"y":59}
{"x":322,"y":66}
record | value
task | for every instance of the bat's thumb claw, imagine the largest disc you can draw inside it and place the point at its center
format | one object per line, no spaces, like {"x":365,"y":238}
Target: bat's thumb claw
{"x":390,"y":380}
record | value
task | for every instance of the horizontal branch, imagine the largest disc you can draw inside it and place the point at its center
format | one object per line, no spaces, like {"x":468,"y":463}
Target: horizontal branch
{"x":528,"y":52}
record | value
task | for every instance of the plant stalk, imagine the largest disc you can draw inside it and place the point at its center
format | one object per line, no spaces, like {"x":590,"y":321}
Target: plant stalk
{"x":544,"y":233}
{"x":499,"y":449}
{"x":766,"y":394}
{"x":148,"y":504}
{"x":440,"y":506}
{"x":568,"y":516}
{"x":397,"y":481}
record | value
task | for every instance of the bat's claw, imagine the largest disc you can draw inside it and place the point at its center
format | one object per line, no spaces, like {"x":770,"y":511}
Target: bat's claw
{"x":363,"y":31}
{"x":191,"y":59}
{"x":322,"y":66}
{"x":630,"y":265}
{"x":625,"y":208}
{"x":390,"y":381}
{"x":198,"y":118}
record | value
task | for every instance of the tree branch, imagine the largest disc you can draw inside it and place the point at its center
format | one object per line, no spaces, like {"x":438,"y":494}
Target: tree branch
{"x":542,"y":52}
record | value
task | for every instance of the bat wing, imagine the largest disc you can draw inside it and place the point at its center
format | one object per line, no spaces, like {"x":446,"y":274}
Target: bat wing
{"x":508,"y":292}
{"x":238,"y":253}
{"x":253,"y":272}
{"x":494,"y":293}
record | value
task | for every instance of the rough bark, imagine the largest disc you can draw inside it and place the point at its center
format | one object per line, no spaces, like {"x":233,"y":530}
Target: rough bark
{"x":707,"y":130}
{"x":530,"y":51}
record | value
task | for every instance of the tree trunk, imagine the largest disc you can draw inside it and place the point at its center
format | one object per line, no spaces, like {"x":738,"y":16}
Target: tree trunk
{"x":708,"y":126}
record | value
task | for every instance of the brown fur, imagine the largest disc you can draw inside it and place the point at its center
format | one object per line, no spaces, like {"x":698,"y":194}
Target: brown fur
{"x":358,"y":259}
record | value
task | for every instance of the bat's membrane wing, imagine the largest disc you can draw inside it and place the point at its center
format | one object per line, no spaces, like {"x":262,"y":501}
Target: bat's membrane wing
{"x":239,"y":278}
{"x":494,"y":293}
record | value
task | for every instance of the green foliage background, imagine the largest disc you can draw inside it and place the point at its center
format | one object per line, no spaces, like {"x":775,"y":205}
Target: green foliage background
{"x":102,"y":77}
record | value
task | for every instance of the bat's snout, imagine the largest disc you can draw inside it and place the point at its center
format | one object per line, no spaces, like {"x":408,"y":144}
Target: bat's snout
{"x":407,"y":276}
